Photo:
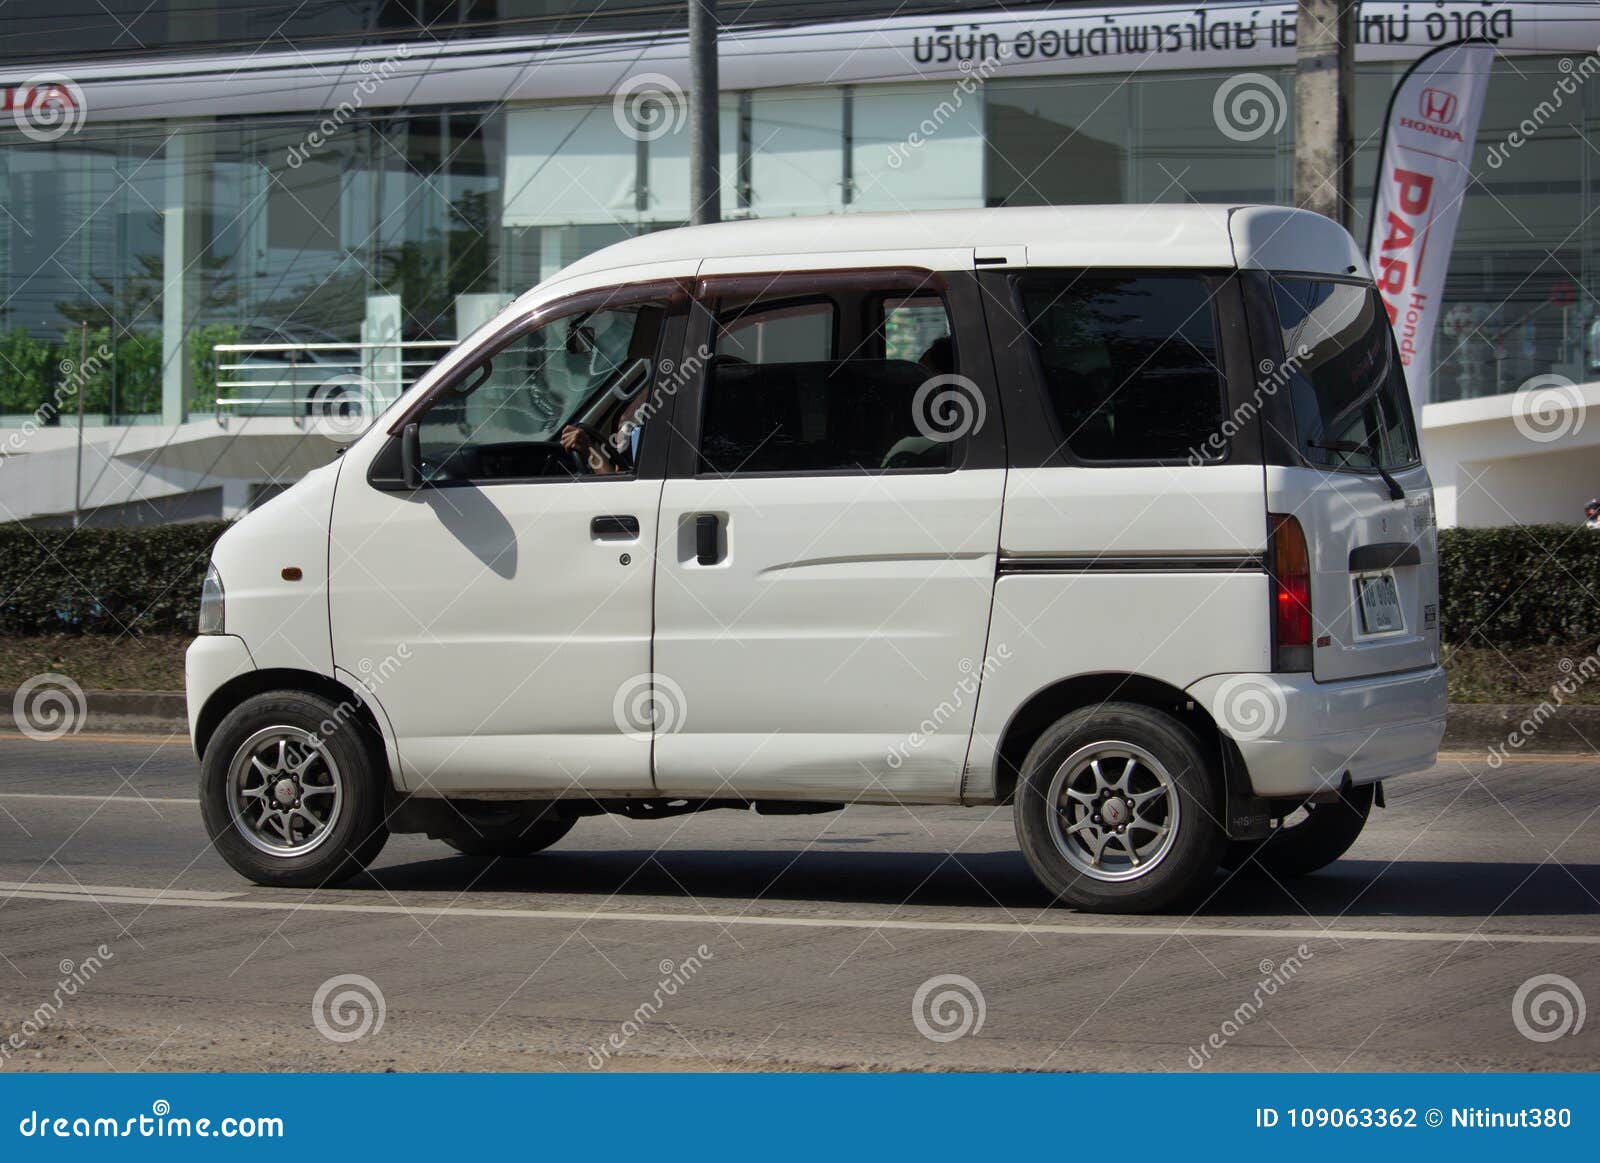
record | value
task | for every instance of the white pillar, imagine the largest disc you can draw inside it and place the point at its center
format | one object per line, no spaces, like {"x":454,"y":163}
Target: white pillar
{"x":182,"y":211}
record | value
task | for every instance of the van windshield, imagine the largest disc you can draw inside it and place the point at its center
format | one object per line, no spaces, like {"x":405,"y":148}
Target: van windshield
{"x":1347,"y":386}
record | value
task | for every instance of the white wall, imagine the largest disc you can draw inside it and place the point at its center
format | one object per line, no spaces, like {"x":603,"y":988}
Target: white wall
{"x":39,"y":469}
{"x":1523,"y":458}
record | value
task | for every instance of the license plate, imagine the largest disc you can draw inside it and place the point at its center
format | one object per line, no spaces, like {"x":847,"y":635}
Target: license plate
{"x":1380,"y":604}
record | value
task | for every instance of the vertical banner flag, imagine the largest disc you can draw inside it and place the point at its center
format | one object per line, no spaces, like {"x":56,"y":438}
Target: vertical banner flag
{"x":1423,"y":172}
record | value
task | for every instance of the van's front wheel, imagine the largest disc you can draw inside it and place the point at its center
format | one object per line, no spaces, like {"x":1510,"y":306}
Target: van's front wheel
{"x":290,"y":792}
{"x":1117,"y":810}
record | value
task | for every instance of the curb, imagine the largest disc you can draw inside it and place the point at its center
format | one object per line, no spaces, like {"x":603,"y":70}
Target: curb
{"x":111,"y":711}
{"x":1470,"y":727}
{"x":1509,"y":728}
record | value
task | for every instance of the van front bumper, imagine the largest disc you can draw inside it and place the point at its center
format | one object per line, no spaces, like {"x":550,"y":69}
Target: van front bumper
{"x":1299,"y":736}
{"x":211,"y":661}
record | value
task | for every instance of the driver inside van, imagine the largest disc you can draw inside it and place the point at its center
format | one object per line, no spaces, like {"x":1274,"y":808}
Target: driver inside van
{"x":618,"y":451}
{"x":614,"y":449}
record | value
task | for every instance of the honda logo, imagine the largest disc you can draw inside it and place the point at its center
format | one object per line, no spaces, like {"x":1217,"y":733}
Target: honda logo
{"x":1438,"y":106}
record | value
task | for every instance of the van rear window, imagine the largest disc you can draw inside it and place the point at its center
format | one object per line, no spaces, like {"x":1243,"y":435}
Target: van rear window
{"x":1346,"y":383}
{"x":1130,"y":363}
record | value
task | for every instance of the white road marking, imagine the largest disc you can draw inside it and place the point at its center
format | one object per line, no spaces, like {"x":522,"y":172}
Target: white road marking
{"x":81,"y":798}
{"x":90,"y":892}
{"x":150,"y":897}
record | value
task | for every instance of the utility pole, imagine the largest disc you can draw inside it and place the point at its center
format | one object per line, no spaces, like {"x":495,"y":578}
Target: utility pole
{"x":705,"y":181}
{"x":1324,"y":87}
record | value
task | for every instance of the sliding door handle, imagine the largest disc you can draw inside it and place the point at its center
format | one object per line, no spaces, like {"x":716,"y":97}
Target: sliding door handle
{"x":705,"y":539}
{"x":614,"y":527}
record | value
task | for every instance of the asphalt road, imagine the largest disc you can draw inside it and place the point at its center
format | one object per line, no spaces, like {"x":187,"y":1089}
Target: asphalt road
{"x":793,"y":942}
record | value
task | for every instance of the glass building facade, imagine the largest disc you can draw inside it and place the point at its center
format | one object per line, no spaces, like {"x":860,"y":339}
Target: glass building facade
{"x":1526,"y":244}
{"x":160,"y":240}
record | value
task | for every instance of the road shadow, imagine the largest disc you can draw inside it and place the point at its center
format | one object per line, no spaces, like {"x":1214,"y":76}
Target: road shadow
{"x":1348,"y":889}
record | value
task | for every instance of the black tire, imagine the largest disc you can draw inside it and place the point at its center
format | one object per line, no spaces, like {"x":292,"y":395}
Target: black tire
{"x":356,"y":833}
{"x":1188,"y":862}
{"x":1325,"y":834}
{"x":521,"y":834}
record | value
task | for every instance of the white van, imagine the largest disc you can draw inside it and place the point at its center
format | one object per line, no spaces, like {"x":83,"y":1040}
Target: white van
{"x":1112,"y":514}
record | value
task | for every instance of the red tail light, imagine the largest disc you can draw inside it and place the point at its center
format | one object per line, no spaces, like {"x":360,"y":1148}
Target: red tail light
{"x":1291,"y":594}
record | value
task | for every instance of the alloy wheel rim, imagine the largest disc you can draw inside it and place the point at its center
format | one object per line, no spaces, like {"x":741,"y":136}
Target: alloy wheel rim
{"x":1114,"y":811}
{"x":285,"y":791}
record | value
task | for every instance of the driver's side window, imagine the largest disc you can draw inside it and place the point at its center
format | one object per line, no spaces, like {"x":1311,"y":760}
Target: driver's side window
{"x":557,"y":401}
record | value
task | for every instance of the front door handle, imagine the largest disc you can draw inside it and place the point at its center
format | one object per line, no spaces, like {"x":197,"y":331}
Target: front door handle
{"x":614,"y":527}
{"x":705,"y":539}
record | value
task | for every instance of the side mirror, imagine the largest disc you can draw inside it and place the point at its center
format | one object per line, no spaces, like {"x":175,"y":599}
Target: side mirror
{"x":411,"y":456}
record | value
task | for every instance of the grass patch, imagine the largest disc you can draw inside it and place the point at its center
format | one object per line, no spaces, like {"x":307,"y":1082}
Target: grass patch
{"x":148,"y":662}
{"x":1522,"y":674}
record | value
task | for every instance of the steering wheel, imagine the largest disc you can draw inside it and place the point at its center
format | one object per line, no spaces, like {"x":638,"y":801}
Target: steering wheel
{"x":598,"y":443}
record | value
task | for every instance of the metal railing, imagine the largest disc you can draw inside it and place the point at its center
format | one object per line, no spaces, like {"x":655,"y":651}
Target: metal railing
{"x":309,"y":380}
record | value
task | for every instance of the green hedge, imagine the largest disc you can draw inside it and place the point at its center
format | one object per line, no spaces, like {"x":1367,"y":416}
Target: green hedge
{"x":1517,"y":586}
{"x":1521,"y":585}
{"x":142,"y":578}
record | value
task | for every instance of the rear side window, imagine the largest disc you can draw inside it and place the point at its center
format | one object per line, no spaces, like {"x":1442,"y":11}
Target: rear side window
{"x":1130,"y":363}
{"x":785,"y":392}
{"x":917,"y":327}
{"x":781,"y":333}
{"x":1347,"y":386}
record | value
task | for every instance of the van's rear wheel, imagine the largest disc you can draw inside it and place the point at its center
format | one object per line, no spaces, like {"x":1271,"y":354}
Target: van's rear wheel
{"x":291,"y":793}
{"x":1303,"y":843}
{"x":1117,"y":810}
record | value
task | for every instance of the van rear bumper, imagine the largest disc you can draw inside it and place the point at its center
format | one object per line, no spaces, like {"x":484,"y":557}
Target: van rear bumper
{"x":1300,"y":736}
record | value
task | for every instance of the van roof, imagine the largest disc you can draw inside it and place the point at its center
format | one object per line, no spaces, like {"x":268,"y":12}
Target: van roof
{"x":1155,"y":235}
